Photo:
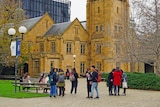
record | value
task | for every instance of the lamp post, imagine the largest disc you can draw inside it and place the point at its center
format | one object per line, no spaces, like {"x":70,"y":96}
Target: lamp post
{"x":15,"y":46}
{"x":74,"y":60}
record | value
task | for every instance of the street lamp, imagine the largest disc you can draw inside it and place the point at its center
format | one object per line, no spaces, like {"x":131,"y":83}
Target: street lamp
{"x":74,"y":60}
{"x":15,"y":46}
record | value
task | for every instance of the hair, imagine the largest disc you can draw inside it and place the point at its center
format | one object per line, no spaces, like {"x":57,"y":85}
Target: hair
{"x":93,"y":66}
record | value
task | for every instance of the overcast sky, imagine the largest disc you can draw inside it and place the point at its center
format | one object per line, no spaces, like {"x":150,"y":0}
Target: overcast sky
{"x":78,"y":9}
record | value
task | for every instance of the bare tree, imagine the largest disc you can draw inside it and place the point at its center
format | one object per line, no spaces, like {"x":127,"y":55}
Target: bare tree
{"x":147,"y":19}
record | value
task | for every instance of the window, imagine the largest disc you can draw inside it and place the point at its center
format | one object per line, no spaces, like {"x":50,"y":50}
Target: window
{"x":117,"y":10}
{"x":83,"y":48}
{"x":115,"y":28}
{"x":52,"y":64}
{"x":41,"y":47}
{"x":98,"y":9}
{"x":99,"y":65}
{"x":99,"y":48}
{"x":82,"y":67}
{"x":37,"y":69}
{"x":53,"y":47}
{"x":96,"y":28}
{"x":68,"y":47}
{"x":101,"y":28}
{"x":118,"y":49}
{"x":76,"y":30}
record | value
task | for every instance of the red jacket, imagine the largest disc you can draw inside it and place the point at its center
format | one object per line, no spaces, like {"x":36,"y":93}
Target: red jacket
{"x":117,"y":75}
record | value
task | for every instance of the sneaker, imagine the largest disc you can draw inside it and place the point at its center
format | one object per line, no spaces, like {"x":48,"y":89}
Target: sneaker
{"x":91,"y":97}
{"x":50,"y":96}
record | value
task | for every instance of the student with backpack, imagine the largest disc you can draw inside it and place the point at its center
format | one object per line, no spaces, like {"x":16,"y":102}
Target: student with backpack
{"x":61,"y":83}
{"x":74,"y":80}
{"x":52,"y":82}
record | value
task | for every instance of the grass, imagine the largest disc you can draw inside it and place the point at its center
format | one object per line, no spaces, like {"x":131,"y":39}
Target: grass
{"x":144,"y":81}
{"x":7,"y":90}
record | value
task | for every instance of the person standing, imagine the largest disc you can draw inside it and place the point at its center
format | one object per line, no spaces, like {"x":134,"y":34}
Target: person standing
{"x":61,"y":83}
{"x":74,"y":80}
{"x":52,"y":81}
{"x":124,"y":82}
{"x":89,"y":84}
{"x":117,"y":75}
{"x":67,"y":74}
{"x":110,"y":82}
{"x":94,"y":82}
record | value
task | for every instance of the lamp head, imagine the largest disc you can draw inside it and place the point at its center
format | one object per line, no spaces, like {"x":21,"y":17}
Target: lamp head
{"x":22,"y":29}
{"x":11,"y":31}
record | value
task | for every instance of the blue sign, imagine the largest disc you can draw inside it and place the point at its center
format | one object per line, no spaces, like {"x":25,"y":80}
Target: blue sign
{"x":15,"y":48}
{"x":18,"y":43}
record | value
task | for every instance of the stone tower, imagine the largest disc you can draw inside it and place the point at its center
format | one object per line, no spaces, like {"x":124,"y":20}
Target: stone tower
{"x":106,"y":24}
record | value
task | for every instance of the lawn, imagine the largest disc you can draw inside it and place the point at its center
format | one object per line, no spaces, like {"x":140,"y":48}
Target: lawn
{"x":7,"y":90}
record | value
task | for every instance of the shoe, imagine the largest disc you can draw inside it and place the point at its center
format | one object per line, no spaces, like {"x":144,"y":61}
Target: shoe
{"x":124,"y":94}
{"x":115,"y":94}
{"x":90,"y":97}
{"x":96,"y":97}
{"x":110,"y":94}
{"x":50,"y":96}
{"x":54,"y":96}
{"x":118,"y":95}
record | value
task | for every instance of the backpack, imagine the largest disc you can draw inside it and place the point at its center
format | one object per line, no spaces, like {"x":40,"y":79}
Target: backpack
{"x":51,"y":78}
{"x":71,"y":77}
{"x":99,"y":77}
{"x":61,"y":78}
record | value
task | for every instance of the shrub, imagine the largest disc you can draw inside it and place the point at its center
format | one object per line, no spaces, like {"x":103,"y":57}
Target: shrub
{"x":145,"y":81}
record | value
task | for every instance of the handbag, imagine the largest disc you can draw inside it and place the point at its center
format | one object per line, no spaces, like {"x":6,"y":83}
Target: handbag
{"x":124,"y":84}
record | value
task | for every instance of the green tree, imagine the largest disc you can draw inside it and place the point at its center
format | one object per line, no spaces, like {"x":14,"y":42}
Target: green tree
{"x":10,"y":16}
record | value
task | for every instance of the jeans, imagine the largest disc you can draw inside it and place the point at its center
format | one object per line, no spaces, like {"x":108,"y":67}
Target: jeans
{"x":116,"y":89}
{"x":53,"y":90}
{"x":94,"y":86}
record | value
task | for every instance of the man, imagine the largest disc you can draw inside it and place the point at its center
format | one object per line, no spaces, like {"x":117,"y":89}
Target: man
{"x":117,"y":75}
{"x":94,"y":82}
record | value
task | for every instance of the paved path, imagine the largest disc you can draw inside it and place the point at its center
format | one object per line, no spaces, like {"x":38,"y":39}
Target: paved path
{"x":134,"y":98}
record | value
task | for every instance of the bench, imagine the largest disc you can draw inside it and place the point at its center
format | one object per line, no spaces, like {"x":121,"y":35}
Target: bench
{"x":27,"y":86}
{"x":30,"y":86}
{"x":18,"y":85}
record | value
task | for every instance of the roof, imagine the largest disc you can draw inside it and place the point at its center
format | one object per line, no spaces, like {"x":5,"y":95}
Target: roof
{"x":29,"y":23}
{"x":58,"y":29}
{"x":83,"y":24}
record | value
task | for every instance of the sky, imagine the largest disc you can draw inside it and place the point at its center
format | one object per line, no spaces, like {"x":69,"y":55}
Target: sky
{"x":78,"y":9}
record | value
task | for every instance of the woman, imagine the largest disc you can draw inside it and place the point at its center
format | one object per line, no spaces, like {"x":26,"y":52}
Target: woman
{"x":124,"y":82}
{"x":74,"y":82}
{"x":89,"y":81}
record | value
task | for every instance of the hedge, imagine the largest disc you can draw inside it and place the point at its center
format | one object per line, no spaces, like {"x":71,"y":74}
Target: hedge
{"x":144,"y":81}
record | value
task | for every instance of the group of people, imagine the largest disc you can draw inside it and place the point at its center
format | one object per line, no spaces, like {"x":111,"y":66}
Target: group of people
{"x":116,"y":78}
{"x":57,"y":79}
